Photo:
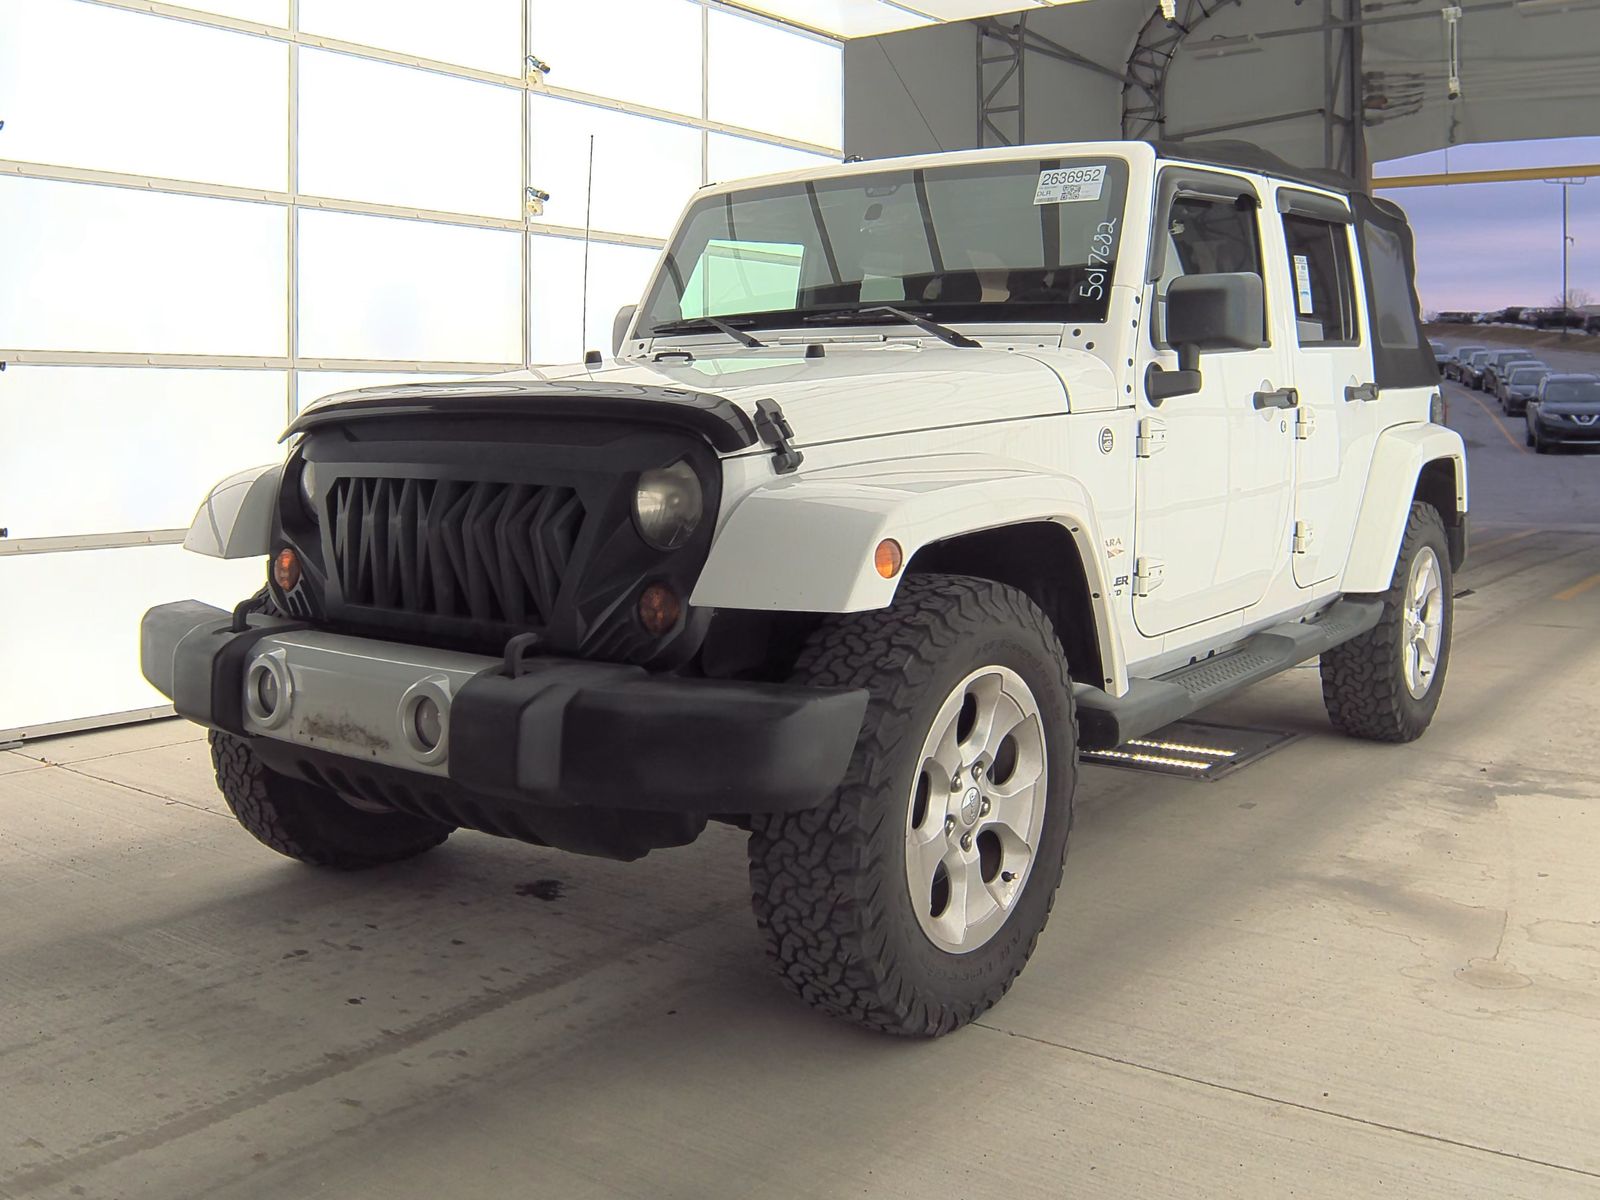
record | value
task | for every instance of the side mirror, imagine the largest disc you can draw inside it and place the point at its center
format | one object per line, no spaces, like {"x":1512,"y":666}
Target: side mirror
{"x":1222,"y":311}
{"x":620,"y":325}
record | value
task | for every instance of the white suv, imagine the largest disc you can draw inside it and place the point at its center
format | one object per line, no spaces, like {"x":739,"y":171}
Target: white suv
{"x":908,"y":480}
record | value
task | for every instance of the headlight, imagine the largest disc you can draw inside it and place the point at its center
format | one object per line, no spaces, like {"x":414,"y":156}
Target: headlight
{"x":668,"y":505}
{"x":307,"y":488}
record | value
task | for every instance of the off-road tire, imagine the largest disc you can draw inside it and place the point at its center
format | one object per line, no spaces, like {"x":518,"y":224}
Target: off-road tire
{"x":310,"y":823}
{"x":1363,"y":680}
{"x":828,"y":883}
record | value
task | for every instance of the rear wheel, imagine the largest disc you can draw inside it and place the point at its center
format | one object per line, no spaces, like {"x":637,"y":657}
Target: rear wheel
{"x":313,"y":824}
{"x":910,"y":899}
{"x":1385,"y":684}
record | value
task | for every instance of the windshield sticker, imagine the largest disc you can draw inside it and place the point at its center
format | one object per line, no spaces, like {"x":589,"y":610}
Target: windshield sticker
{"x":1070,"y":185}
{"x":1302,"y":283}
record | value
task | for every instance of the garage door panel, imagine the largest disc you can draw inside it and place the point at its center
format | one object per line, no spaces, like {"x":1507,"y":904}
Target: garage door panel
{"x":69,"y":626}
{"x":113,"y":449}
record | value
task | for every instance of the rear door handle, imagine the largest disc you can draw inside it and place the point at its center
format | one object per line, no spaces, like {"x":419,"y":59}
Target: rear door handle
{"x":1280,"y":398}
{"x":1361,"y":391}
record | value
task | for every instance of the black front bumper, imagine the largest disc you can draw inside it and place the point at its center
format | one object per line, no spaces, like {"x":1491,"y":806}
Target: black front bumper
{"x":564,"y":734}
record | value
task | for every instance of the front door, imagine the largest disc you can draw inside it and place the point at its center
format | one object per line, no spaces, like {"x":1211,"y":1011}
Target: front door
{"x":1215,"y":478}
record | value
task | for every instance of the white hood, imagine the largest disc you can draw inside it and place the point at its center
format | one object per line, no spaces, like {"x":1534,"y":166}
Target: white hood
{"x":859,"y":392}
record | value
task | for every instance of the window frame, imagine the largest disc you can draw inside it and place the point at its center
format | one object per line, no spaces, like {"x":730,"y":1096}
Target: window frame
{"x":1349,"y":313}
{"x":1191,"y":183}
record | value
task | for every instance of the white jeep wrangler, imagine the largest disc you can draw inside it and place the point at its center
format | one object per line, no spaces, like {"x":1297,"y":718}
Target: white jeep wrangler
{"x":909,"y":480}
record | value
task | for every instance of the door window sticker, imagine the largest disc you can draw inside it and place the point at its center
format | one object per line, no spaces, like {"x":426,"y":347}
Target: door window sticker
{"x":1302,"y":283}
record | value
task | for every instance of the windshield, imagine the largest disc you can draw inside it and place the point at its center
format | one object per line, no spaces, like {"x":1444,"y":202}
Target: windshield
{"x":1572,"y":391}
{"x":1526,"y":376}
{"x":1034,"y":240}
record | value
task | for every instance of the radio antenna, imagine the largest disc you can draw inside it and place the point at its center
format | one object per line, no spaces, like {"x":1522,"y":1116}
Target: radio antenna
{"x":588,"y":209}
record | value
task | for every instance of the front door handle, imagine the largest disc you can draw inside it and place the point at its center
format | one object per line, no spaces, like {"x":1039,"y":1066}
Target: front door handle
{"x":1278,"y":398}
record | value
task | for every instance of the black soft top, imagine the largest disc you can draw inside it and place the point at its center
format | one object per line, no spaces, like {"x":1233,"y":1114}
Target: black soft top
{"x":1244,"y":156}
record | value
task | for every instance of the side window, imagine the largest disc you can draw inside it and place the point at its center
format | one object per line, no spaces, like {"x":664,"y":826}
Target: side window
{"x":1395,"y":316}
{"x":1206,"y":236}
{"x":1319,"y":270}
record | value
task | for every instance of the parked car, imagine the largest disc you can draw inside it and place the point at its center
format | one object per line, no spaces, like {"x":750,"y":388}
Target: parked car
{"x":1456,"y":365}
{"x":1441,"y":354}
{"x":1518,"y":385}
{"x":1497,"y":364}
{"x":1472,"y":369}
{"x":821,"y":555}
{"x":1559,"y":318}
{"x":1566,"y":411}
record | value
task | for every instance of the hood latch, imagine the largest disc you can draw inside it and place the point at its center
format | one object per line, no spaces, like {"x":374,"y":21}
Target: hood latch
{"x":773,"y":427}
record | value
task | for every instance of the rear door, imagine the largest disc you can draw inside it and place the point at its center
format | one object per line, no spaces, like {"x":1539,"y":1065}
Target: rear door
{"x":1334,"y":420}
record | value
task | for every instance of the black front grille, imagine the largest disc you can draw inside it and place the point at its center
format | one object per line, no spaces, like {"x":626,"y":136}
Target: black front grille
{"x":493,"y":552}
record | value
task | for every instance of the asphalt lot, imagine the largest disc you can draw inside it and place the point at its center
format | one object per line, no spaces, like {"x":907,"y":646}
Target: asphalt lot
{"x":1347,"y":970}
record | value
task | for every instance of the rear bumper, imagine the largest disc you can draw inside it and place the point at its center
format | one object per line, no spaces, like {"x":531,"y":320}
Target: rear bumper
{"x":563,"y":734}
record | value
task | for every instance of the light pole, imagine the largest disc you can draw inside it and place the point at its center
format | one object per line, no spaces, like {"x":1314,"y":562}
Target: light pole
{"x":1566,"y":242}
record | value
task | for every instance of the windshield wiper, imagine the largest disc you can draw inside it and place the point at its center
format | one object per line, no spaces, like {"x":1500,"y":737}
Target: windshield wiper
{"x":943,"y":332}
{"x":690,"y":324}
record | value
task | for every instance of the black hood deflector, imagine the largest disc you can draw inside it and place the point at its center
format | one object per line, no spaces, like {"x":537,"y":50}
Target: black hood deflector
{"x":717,"y":419}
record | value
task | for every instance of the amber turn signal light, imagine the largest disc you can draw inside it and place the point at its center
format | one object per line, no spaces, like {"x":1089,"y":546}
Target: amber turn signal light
{"x":286,"y":569}
{"x":888,"y":558}
{"x":659,"y":609}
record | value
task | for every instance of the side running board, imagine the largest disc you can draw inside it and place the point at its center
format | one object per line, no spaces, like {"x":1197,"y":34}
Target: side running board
{"x":1105,"y":721}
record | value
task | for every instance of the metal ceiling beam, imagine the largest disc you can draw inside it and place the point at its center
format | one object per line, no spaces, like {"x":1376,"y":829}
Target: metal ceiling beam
{"x":1501,"y":175}
{"x":1002,"y":78}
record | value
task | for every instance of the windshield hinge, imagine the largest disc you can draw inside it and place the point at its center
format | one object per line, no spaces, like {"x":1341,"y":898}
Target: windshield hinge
{"x":774,"y":429}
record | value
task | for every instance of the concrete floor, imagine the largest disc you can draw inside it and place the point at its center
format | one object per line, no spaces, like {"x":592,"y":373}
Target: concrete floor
{"x":1348,"y":970}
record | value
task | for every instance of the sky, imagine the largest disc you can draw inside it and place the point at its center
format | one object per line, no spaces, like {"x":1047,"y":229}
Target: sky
{"x":1490,"y":245}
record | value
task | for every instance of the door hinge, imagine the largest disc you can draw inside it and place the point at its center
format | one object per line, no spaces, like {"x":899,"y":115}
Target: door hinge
{"x":1147,"y":575}
{"x":1152,"y":437}
{"x":1305,"y":423}
{"x":1304,"y":535}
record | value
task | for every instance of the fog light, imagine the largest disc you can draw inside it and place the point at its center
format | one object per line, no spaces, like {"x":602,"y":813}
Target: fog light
{"x":424,"y":719}
{"x":888,"y":558}
{"x":659,"y":609}
{"x":427,"y":722}
{"x":267,"y":692}
{"x":286,"y":569}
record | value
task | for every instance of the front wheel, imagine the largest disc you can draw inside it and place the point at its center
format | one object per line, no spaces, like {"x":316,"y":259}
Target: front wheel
{"x":1385,"y":684}
{"x":910,"y":900}
{"x":315,"y":825}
